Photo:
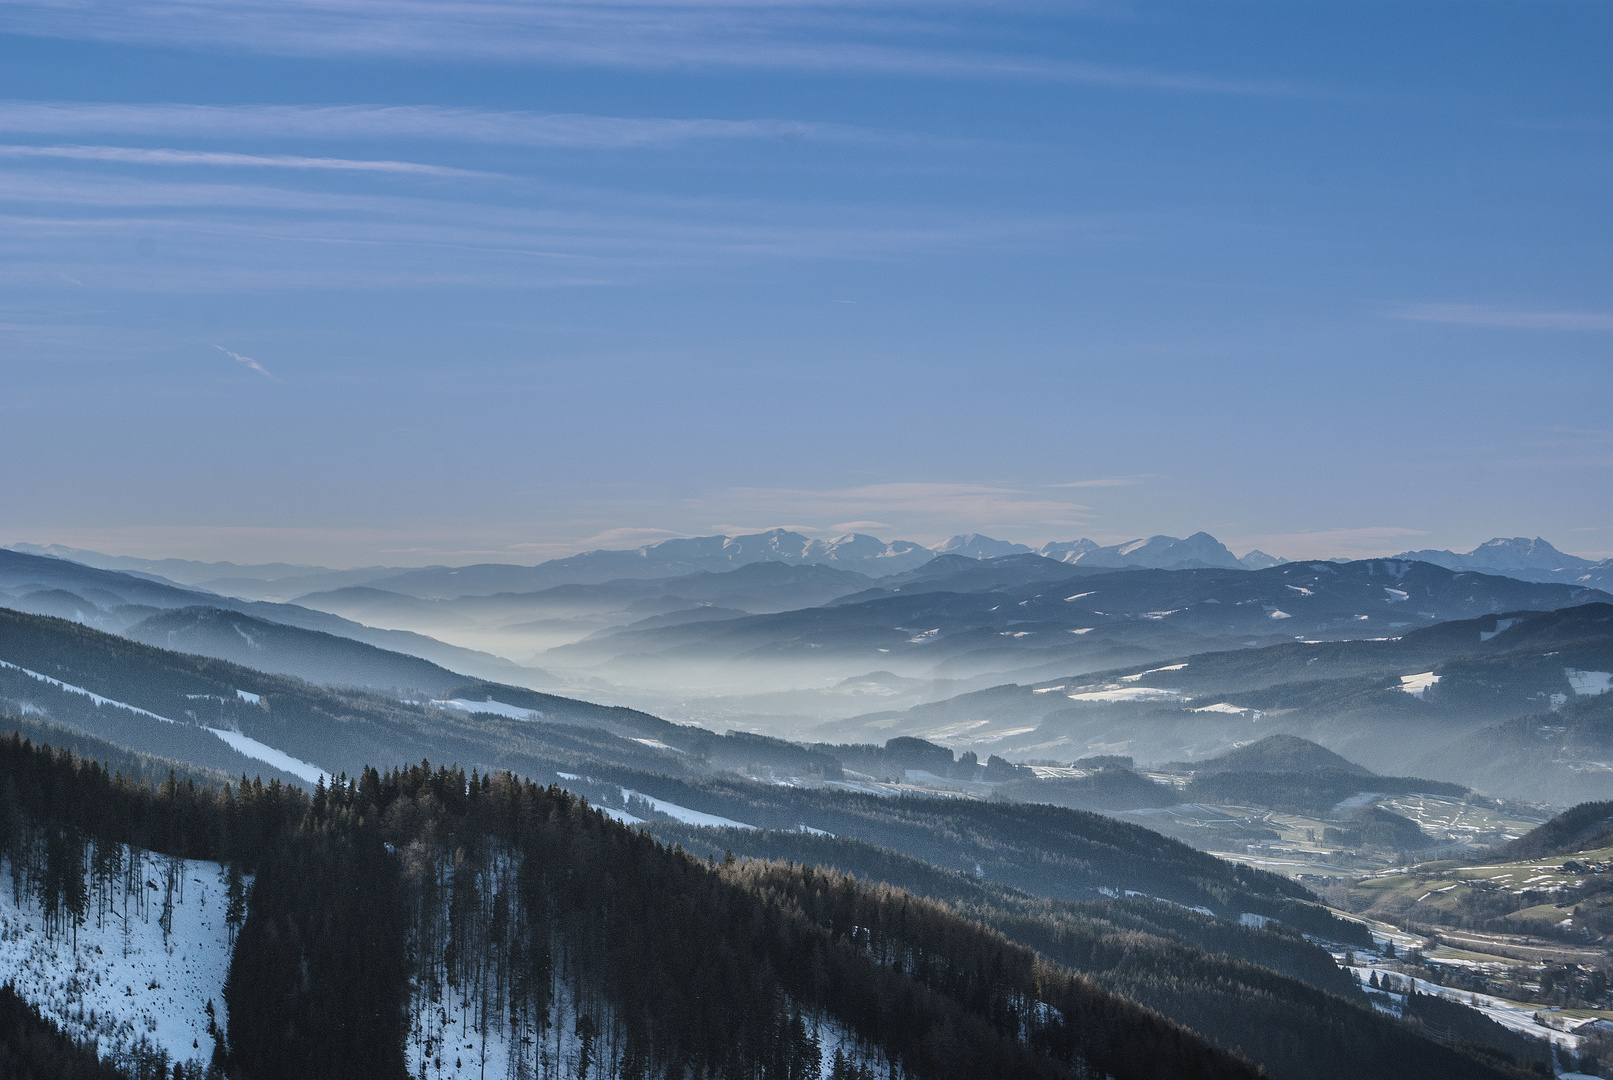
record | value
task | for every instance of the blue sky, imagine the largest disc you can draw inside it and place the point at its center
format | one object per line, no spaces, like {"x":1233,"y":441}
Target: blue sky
{"x":359,"y":281}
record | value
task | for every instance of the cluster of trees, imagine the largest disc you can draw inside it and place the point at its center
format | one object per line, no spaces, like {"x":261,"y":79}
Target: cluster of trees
{"x":891,"y":761}
{"x":1375,"y":827}
{"x":1302,"y":792}
{"x":33,"y":1048}
{"x":597,"y":949}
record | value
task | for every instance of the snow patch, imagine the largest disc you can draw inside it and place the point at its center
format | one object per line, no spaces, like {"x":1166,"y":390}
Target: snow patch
{"x":1417,"y":685}
{"x":1127,"y":693}
{"x":1222,"y":707}
{"x":250,"y":747}
{"x":685,"y":815}
{"x":1589,"y":683}
{"x":1501,"y":625}
{"x":1151,"y":671}
{"x":497,"y":708}
{"x":250,"y":699}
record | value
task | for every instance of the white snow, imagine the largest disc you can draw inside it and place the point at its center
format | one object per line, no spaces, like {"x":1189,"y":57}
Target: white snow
{"x":1077,"y":596}
{"x":1083,"y":630}
{"x":71,"y":689}
{"x":1275,"y":614}
{"x":1395,"y":595}
{"x":619,"y":815}
{"x":1416,"y":685}
{"x":1151,"y":671}
{"x":657,"y":744}
{"x":250,"y":699}
{"x":1127,"y":693}
{"x":116,"y":991}
{"x":250,"y":747}
{"x":685,"y":815}
{"x":1589,"y":683}
{"x":1047,"y":689}
{"x":1222,"y":707}
{"x":497,"y":708}
{"x":1500,"y":625}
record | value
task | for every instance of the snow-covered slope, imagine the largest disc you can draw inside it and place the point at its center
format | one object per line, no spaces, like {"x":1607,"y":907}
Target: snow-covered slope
{"x":125,"y":981}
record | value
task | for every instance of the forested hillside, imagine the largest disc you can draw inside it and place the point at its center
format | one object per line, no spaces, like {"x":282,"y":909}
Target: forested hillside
{"x":426,"y":920}
{"x":579,"y":942}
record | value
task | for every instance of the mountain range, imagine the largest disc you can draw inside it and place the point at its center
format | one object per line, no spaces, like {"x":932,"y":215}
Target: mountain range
{"x":1520,"y":557}
{"x":1516,"y":557}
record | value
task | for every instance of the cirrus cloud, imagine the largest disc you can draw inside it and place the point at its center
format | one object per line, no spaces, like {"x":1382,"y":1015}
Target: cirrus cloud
{"x":1514,"y":318}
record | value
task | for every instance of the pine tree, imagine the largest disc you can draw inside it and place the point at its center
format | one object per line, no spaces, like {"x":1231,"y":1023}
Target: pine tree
{"x":235,"y":901}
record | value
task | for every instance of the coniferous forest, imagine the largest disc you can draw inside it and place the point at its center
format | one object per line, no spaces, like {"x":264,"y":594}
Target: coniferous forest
{"x":590,"y":948}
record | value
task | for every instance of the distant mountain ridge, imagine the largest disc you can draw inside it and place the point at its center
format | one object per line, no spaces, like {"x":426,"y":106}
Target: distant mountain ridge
{"x":1522,"y":558}
{"x":856,"y":552}
{"x":114,"y":601}
{"x":261,"y":581}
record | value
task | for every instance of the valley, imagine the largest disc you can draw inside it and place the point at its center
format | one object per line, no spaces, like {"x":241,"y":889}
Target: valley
{"x":1253,"y":800}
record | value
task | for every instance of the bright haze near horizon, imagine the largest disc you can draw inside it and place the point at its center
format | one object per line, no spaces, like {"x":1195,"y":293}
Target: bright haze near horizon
{"x":433,"y":283}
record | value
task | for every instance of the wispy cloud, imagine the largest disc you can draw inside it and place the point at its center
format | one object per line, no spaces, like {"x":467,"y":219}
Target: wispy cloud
{"x":425,"y":122}
{"x":210,"y":237}
{"x":1103,"y":482}
{"x":246,"y":361}
{"x":133,"y":155}
{"x":1515,"y":318}
{"x":896,"y":36}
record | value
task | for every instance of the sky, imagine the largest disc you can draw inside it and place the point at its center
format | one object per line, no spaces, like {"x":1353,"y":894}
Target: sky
{"x":369,"y":281}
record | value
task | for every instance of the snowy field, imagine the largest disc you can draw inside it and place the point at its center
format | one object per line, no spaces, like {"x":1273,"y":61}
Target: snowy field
{"x":127,"y":986}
